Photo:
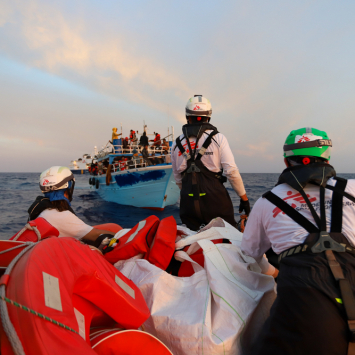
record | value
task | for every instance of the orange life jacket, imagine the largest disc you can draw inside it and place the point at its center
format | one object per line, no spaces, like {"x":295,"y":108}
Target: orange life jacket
{"x":136,"y":241}
{"x":163,"y":246}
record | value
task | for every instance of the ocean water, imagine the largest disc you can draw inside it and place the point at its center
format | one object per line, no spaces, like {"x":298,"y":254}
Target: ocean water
{"x":19,"y":190}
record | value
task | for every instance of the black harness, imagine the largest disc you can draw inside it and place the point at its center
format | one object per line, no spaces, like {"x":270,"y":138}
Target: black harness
{"x":200,"y":185}
{"x":41,"y":203}
{"x":319,"y":240}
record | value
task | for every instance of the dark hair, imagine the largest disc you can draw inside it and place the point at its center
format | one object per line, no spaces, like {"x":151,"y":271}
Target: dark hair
{"x":60,"y":205}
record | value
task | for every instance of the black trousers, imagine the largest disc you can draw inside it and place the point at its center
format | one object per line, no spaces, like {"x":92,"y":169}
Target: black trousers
{"x":306,"y":317}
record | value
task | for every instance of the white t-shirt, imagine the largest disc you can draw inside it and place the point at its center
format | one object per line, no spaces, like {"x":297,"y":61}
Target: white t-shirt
{"x":67,"y":223}
{"x":217,"y":156}
{"x":269,"y":227}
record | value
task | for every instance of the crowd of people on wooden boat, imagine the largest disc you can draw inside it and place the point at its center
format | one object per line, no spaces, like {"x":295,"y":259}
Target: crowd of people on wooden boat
{"x":307,"y":221}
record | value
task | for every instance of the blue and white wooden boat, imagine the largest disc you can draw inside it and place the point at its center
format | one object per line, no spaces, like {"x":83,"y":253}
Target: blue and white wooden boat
{"x":138,"y":184}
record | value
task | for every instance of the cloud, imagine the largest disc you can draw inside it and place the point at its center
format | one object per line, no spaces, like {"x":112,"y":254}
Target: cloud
{"x":103,"y":59}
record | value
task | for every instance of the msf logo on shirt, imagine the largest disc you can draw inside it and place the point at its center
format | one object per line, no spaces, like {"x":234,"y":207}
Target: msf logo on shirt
{"x":295,"y":197}
{"x":186,"y":147}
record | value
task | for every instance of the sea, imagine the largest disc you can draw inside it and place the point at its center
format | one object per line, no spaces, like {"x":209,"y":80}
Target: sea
{"x":19,"y":190}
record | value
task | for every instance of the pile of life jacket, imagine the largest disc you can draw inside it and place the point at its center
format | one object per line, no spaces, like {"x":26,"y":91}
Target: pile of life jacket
{"x":155,"y":241}
{"x":150,"y":239}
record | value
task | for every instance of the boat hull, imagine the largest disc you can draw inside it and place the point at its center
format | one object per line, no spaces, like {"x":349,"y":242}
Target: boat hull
{"x":150,"y":187}
{"x":79,"y":171}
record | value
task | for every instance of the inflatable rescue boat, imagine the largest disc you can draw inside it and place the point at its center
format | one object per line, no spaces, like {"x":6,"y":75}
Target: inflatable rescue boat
{"x":59,"y":296}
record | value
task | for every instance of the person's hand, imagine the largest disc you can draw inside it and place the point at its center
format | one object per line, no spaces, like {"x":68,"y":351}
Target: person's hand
{"x":244,"y":206}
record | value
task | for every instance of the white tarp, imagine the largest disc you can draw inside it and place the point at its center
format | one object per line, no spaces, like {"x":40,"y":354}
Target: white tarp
{"x":206,"y":313}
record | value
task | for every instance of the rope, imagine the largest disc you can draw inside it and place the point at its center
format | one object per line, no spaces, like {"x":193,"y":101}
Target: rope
{"x":37,"y":314}
{"x":28,"y":227}
{"x":16,"y":247}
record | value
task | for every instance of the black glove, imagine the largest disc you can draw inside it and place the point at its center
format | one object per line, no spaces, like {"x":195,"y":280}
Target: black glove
{"x":244,"y":205}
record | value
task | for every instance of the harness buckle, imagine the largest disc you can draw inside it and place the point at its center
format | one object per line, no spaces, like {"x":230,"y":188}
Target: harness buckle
{"x":186,"y":156}
{"x":193,"y":169}
{"x":326,"y":242}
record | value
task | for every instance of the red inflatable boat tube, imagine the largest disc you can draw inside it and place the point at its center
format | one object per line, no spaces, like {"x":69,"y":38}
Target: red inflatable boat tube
{"x":66,"y":281}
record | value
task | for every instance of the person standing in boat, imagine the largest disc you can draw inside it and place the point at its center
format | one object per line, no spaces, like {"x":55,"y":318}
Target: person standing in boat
{"x":57,"y":184}
{"x":125,"y":145}
{"x":309,"y":221}
{"x":115,"y":140}
{"x":199,"y":157}
{"x":143,"y":140}
{"x":133,"y":137}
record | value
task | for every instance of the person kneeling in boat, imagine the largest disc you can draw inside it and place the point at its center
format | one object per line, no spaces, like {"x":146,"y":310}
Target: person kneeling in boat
{"x":199,"y":157}
{"x":309,"y":221}
{"x":57,"y":184}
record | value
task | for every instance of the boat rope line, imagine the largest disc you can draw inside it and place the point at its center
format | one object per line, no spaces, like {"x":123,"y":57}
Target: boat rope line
{"x":42,"y":316}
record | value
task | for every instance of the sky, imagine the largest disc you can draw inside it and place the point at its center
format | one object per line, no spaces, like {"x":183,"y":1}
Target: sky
{"x":72,"y":70}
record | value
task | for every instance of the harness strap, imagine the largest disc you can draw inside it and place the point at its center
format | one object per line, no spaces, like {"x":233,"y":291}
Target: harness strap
{"x":314,"y":213}
{"x":346,"y":294}
{"x":205,"y":145}
{"x":291,"y":212}
{"x":337,"y":206}
{"x":182,"y":149}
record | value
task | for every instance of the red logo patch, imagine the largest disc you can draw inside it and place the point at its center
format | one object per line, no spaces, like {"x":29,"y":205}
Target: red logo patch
{"x":45,"y":182}
{"x":297,"y":197}
{"x":187,"y":149}
{"x":303,"y":139}
{"x":197,"y":108}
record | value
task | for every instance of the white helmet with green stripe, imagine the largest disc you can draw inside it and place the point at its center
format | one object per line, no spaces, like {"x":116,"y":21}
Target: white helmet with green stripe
{"x":308,"y":142}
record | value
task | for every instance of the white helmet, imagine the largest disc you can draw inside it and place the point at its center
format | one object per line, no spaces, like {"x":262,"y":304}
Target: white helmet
{"x":198,"y":106}
{"x":56,"y":178}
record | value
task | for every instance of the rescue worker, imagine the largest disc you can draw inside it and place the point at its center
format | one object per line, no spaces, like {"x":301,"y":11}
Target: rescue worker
{"x":199,"y":157}
{"x":57,"y":184}
{"x":309,"y":221}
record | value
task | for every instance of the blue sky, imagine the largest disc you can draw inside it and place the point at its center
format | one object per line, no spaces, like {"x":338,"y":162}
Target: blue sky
{"x":72,"y":70}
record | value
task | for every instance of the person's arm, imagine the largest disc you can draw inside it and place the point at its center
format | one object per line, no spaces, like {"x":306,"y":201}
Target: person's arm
{"x":255,"y":241}
{"x":177,"y":175}
{"x":231,"y":171}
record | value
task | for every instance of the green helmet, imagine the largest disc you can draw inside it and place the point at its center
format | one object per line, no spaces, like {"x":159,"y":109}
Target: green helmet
{"x":309,"y":142}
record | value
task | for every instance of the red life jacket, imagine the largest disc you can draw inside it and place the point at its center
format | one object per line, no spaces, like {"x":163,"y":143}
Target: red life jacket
{"x":186,"y":268}
{"x":136,"y":241}
{"x":163,"y":246}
